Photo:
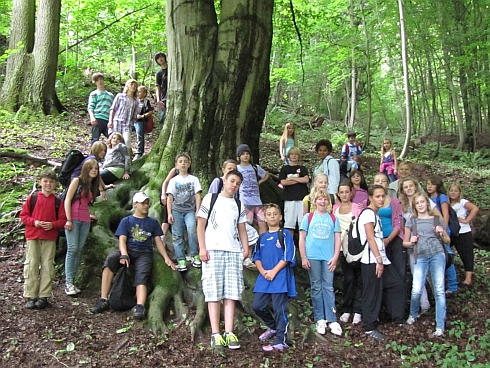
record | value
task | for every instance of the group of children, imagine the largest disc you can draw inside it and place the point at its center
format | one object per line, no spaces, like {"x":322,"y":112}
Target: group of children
{"x":222,"y":239}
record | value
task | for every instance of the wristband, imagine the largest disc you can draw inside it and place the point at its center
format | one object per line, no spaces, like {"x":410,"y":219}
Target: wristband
{"x":69,"y":221}
{"x":124,"y":256}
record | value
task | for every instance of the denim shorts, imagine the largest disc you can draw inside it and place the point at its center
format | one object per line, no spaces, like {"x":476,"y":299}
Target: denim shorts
{"x":142,"y":262}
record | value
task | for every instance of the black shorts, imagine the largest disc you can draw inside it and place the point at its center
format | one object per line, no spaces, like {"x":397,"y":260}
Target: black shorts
{"x":142,"y":263}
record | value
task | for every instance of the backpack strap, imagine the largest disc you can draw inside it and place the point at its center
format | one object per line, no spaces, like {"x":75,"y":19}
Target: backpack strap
{"x":415,"y":233}
{"x":214,"y":197}
{"x":256,"y":172}
{"x":310,"y":217}
{"x":347,"y":150}
{"x":280,"y":235}
{"x":220,"y":185}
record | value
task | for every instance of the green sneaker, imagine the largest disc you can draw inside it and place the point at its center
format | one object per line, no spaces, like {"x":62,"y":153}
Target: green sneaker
{"x":181,"y":266}
{"x":196,"y":261}
{"x":231,"y":340}
{"x":217,"y":341}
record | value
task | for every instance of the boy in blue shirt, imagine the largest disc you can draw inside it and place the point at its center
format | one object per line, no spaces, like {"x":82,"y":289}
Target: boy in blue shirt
{"x":275,"y":282}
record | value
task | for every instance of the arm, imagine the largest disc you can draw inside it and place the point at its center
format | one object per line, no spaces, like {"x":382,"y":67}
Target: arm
{"x":124,"y":259}
{"x":281,"y":149}
{"x":111,"y":116}
{"x":127,"y":160}
{"x":395,"y":162}
{"x":197,"y":196}
{"x":170,"y":175}
{"x":445,"y":213}
{"x":170,"y":202}
{"x":68,"y":198}
{"x":271,"y":274}
{"x":409,"y":240}
{"x":90,"y":109}
{"x":265,"y":178}
{"x":242,"y":232}
{"x":473,"y":212}
{"x":332,"y":264}
{"x":302,"y":250}
{"x":369,"y":228}
{"x":203,"y":252}
{"x":163,"y":252}
{"x":26,"y":215}
{"x":334,"y":175}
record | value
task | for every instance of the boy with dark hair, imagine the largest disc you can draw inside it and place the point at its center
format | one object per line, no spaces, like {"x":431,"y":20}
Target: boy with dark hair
{"x":294,"y":179}
{"x":161,"y":85}
{"x":136,"y":234}
{"x":274,"y":254}
{"x":43,"y":214}
{"x":351,"y":150}
{"x":223,"y":244}
{"x":99,"y":106}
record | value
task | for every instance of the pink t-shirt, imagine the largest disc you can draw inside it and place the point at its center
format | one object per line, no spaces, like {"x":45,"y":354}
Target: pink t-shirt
{"x":79,"y":208}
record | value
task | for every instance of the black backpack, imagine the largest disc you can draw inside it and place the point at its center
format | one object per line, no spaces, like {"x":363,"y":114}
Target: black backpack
{"x":354,"y":245}
{"x":123,"y":294}
{"x":453,"y":225}
{"x":72,"y":160}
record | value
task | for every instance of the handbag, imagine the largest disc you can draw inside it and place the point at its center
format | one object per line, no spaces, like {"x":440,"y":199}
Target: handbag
{"x":149,"y":124}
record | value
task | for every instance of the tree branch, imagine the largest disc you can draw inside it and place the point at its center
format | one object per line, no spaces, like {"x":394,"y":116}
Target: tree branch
{"x":27,"y":157}
{"x":103,"y":28}
{"x":299,"y":38}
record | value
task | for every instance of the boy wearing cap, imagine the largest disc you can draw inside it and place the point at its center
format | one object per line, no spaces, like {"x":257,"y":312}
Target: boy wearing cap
{"x":136,"y":233}
{"x":249,"y":194}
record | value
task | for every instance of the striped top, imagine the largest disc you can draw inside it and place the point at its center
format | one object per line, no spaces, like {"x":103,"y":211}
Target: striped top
{"x":125,"y":111}
{"x":100,"y":103}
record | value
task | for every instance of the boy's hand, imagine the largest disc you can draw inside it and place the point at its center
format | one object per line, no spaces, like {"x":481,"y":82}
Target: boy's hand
{"x":94,"y":122}
{"x":170,"y":218}
{"x":270,"y":275}
{"x":37,"y":223}
{"x":169,"y":263}
{"x":203,"y":253}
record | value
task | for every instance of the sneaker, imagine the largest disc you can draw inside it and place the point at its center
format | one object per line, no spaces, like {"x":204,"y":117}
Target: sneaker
{"x":31,"y":303}
{"x":42,"y":303}
{"x":345,"y":317}
{"x":196,"y":262}
{"x":321,"y":326}
{"x":139,"y":312}
{"x":424,"y":311}
{"x":438,"y":332}
{"x":181,"y":265}
{"x":357,"y":318}
{"x":267,"y":334}
{"x":77,"y":289}
{"x":335,"y":328}
{"x":375,"y":334}
{"x":231,"y":340}
{"x":70,"y":289}
{"x":271,"y":348}
{"x":410,"y":320}
{"x":247,"y":262}
{"x":217,"y":341}
{"x":101,"y":305}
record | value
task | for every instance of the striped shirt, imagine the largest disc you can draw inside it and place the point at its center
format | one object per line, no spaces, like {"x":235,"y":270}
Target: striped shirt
{"x":125,"y":111}
{"x":100,"y":103}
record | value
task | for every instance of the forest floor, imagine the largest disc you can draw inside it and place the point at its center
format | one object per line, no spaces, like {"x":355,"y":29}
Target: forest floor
{"x":66,"y":334}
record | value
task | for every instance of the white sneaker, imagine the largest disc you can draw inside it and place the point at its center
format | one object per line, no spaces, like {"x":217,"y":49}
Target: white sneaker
{"x":70,"y":289}
{"x":321,"y":326}
{"x":357,"y":318}
{"x":410,"y":320}
{"x":335,"y":328}
{"x":345,"y":317}
{"x":438,"y":332}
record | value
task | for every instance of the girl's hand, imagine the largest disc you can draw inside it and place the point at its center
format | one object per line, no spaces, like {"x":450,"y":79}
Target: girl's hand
{"x":125,"y":176}
{"x":69,"y":226}
{"x":103,"y":195}
{"x":414,"y":238}
{"x":463,"y":220}
{"x":379,"y":270}
{"x":332,"y":264}
{"x":283,"y":158}
{"x":439,"y":230}
{"x":170,"y":218}
{"x":109,"y":124}
{"x":163,"y":201}
{"x":305,"y":263}
{"x":94,"y":218}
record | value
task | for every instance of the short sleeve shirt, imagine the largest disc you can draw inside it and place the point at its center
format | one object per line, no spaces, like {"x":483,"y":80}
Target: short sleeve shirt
{"x":320,"y":236}
{"x":298,"y":191}
{"x":462,"y":212}
{"x":249,"y":189}
{"x":183,"y":189}
{"x":428,"y":243}
{"x":162,"y":81}
{"x":368,"y":216}
{"x":140,"y":232}
{"x":222,"y":231}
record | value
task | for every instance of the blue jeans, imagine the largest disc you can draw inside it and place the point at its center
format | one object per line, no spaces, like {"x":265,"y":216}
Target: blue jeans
{"x":452,"y":279}
{"x":161,"y":117}
{"x":139,"y":126}
{"x":97,"y":130}
{"x":75,"y":240}
{"x":189,"y":220}
{"x":322,"y":294}
{"x":437,"y":266}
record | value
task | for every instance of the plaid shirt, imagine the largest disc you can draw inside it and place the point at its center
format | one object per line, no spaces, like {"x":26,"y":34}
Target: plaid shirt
{"x":125,"y":111}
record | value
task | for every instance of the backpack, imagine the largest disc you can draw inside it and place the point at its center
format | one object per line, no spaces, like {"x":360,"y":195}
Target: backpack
{"x":76,"y":196}
{"x":351,"y":243}
{"x":214,"y":198}
{"x":343,"y":164}
{"x":453,"y":224}
{"x":122,"y":296}
{"x":72,"y":160}
{"x":347,"y":149}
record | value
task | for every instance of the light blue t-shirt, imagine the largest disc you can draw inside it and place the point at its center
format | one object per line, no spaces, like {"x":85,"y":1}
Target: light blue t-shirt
{"x":320,"y":236}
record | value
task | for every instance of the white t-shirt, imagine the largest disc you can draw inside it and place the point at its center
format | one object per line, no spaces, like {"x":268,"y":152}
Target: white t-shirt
{"x":462,"y":212}
{"x":222,"y":232}
{"x":368,"y":216}
{"x":183,"y":189}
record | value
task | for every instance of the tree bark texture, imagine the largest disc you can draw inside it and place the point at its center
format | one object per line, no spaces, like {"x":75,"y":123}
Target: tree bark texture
{"x":31,"y":72}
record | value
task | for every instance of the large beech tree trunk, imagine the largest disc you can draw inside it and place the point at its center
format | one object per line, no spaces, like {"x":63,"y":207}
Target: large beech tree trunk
{"x":31,"y":70}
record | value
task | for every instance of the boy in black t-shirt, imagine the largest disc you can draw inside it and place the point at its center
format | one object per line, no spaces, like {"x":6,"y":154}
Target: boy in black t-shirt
{"x":294,"y":179}
{"x":136,"y":234}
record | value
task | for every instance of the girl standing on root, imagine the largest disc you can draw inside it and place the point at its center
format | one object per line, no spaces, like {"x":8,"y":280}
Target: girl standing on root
{"x":437,"y":194}
{"x":123,"y":111}
{"x":288,"y":140}
{"x":466,"y":212}
{"x":319,"y":246}
{"x":81,"y":192}
{"x":345,"y":211}
{"x":389,"y":162}
{"x":426,"y":234}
